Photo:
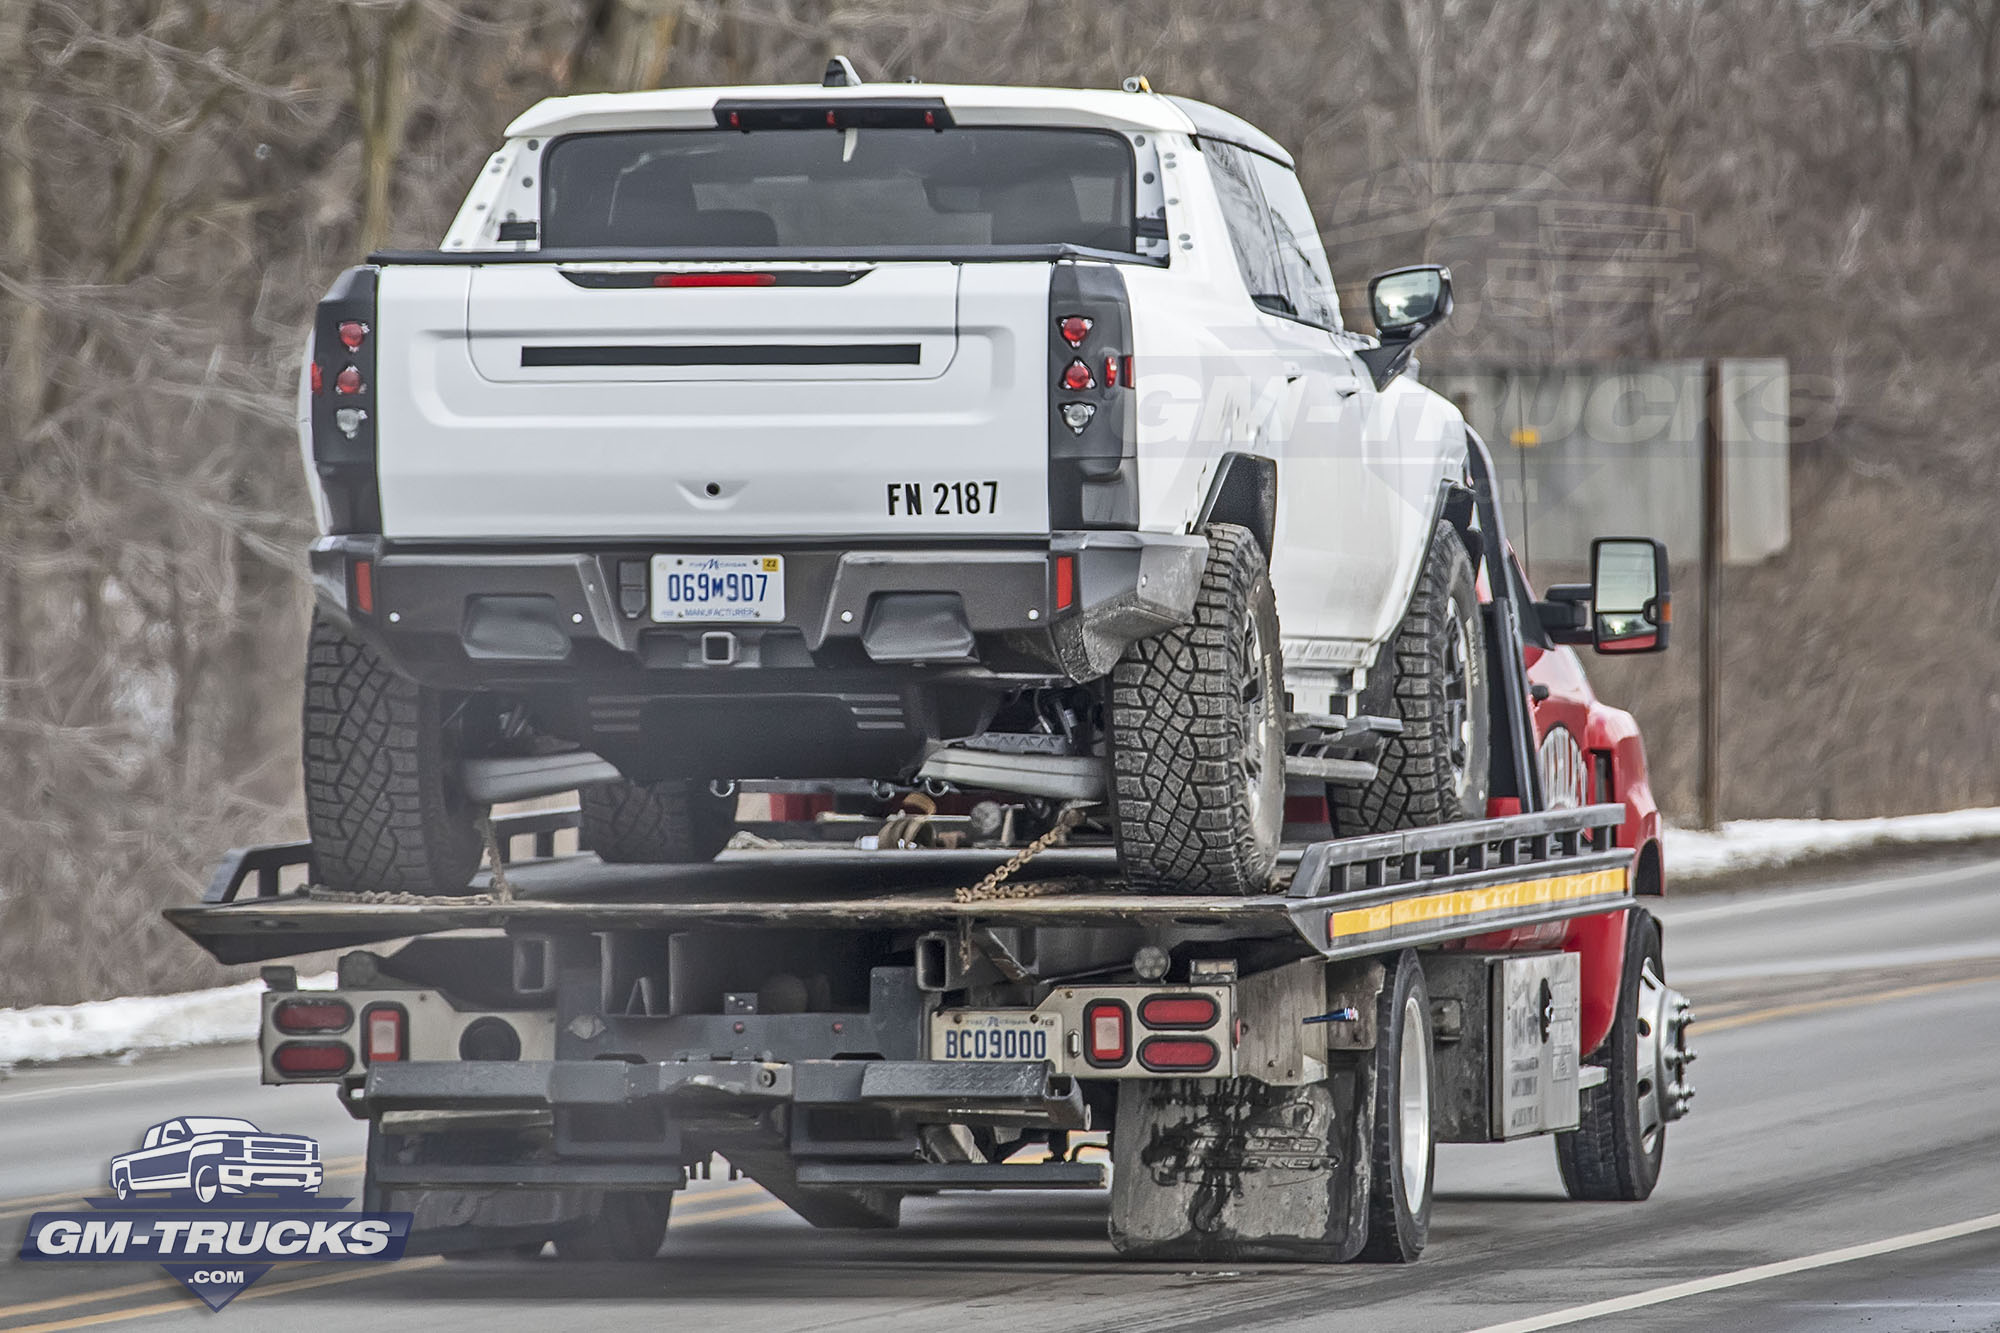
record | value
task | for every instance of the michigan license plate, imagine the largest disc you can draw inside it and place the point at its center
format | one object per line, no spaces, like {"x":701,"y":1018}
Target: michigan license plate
{"x":968,"y":1034}
{"x":718,"y":587}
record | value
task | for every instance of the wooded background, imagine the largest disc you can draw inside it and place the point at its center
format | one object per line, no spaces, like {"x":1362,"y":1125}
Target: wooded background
{"x":179,"y":182}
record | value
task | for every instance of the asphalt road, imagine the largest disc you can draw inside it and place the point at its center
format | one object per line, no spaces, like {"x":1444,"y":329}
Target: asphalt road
{"x":1848,"y":1082}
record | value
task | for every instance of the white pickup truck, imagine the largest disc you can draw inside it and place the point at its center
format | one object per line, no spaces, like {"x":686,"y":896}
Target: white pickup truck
{"x":1010,"y":439}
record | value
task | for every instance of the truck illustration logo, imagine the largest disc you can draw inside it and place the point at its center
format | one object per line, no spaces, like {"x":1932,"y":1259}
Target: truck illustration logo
{"x":216,"y":1201}
{"x":213,"y":1156}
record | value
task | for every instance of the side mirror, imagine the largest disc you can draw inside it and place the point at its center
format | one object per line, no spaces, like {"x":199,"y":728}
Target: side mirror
{"x":1630,"y":607}
{"x":1406,"y":304}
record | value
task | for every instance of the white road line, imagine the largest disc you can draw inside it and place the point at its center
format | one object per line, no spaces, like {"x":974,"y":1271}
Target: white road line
{"x":1880,"y":959}
{"x":1743,"y":1277}
{"x":121,"y":1085}
{"x":1755,"y":901}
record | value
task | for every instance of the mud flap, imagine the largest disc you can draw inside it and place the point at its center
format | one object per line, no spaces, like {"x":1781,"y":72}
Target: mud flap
{"x":1230,"y":1169}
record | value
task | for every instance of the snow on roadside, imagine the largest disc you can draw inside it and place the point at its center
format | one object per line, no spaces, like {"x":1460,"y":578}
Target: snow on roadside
{"x":230,"y":1013}
{"x":1753,"y":844}
{"x":132,"y":1023}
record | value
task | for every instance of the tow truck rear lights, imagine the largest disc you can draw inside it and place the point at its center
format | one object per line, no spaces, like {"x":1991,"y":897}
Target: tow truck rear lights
{"x":1065,"y":582}
{"x":307,"y":1059}
{"x":312,"y":1015}
{"x":715,"y":279}
{"x":1076,"y":377}
{"x":352,"y":334}
{"x":384,"y":1034}
{"x":1073,"y":328}
{"x":1184,"y":1012}
{"x":1178,"y":1054}
{"x":1107,"y":1027}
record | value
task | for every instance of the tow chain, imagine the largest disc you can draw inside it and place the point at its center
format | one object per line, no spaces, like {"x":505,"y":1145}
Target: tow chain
{"x":995,"y":885}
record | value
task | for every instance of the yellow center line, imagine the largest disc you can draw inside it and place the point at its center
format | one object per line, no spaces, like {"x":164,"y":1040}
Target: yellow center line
{"x":1703,"y":1026}
{"x":158,"y":1284}
{"x":37,"y":1203}
{"x":717,"y":1214}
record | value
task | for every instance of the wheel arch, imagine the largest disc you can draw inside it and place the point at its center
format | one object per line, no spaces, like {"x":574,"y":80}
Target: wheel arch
{"x":1244,"y":492}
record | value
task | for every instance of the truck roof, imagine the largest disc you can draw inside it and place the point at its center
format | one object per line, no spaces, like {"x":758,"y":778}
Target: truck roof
{"x":971,"y":104}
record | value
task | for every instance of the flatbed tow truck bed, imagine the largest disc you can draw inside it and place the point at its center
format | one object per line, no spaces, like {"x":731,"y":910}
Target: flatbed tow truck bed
{"x":1346,"y":897}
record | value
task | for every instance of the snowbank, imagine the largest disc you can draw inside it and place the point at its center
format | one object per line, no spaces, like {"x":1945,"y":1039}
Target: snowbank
{"x":1752,"y":844}
{"x":134,"y":1023}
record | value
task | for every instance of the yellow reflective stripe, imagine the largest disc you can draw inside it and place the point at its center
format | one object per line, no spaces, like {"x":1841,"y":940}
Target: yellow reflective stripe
{"x":1472,"y":902}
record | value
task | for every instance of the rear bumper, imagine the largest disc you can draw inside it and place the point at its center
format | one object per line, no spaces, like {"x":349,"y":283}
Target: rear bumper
{"x":881,"y":649}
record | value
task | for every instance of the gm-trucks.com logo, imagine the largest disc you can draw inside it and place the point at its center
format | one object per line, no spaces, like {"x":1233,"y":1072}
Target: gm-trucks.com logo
{"x":216,"y":1201}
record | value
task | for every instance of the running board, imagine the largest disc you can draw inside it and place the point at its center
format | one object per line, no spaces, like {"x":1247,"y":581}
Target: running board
{"x":491,"y":781}
{"x":1064,"y":777}
{"x":954,"y":1175}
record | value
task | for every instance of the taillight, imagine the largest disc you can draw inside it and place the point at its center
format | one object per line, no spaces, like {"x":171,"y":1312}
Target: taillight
{"x":1178,"y":1054}
{"x":1107,"y":1033}
{"x":1111,"y":372}
{"x":1093,"y":422}
{"x":1076,"y":377}
{"x":343,"y":404}
{"x":384,"y":1035}
{"x":1178,"y":1011}
{"x":347,"y":381}
{"x":306,"y":1058}
{"x":1077,"y":415}
{"x":1073,"y":329}
{"x":352,"y":334}
{"x":1065,"y":581}
{"x":312,"y":1015}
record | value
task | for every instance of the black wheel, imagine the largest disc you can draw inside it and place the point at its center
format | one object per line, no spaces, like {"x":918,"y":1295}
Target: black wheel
{"x":1616,"y":1151}
{"x":1403,"y":1152}
{"x":630,"y":1228}
{"x":1197,"y":736}
{"x":382,"y":797}
{"x":656,"y":823}
{"x":207,"y":1184}
{"x":1433,"y":676}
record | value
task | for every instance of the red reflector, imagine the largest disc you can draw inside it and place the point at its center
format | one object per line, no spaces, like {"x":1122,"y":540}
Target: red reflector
{"x":382,"y":1037}
{"x":1178,"y":1011}
{"x":1105,"y":1027}
{"x":1129,"y":383}
{"x":1065,"y":581}
{"x":364,"y":587}
{"x":318,"y":379}
{"x":930,"y":120}
{"x":1190,"y":1053}
{"x":312,"y":1057}
{"x":347,"y":381}
{"x":1076,"y":377}
{"x":1072,"y":328}
{"x":831,"y":123}
{"x":714,"y":279}
{"x":735,"y":120}
{"x":1111,"y":371}
{"x":353,"y":333}
{"x":312,"y":1015}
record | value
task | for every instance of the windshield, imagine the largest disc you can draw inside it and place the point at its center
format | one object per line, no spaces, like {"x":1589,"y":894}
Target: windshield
{"x":212,"y":1124}
{"x":808,"y":189}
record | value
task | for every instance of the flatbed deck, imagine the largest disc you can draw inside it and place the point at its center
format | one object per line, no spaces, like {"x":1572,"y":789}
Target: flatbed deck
{"x":1345,"y":897}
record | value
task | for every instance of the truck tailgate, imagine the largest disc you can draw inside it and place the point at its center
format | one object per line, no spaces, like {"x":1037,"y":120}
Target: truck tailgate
{"x":602,"y":400}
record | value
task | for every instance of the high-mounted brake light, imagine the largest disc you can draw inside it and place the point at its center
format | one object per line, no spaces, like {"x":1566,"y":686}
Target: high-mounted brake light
{"x":304,"y":1058}
{"x":1073,"y":328}
{"x":352,"y":334}
{"x":1181,"y":1054}
{"x":1076,"y":377}
{"x":384,"y":1035}
{"x":347,"y":381}
{"x":1178,"y":1011}
{"x":1106,"y":1033}
{"x":312,"y":1015}
{"x":715,"y":279}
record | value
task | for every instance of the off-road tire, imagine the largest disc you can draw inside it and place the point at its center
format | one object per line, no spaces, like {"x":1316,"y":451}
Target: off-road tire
{"x":1398,"y":1224}
{"x":1606,"y":1158}
{"x":1419,"y":782}
{"x":629,"y":1228}
{"x":382,"y":797}
{"x":655,"y":823}
{"x":1196,"y":742}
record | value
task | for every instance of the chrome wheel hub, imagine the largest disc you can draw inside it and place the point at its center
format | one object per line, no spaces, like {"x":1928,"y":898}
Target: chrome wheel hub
{"x":1458,"y":703}
{"x":1664,"y":1055}
{"x":1414,"y":1105}
{"x":1263,"y":756}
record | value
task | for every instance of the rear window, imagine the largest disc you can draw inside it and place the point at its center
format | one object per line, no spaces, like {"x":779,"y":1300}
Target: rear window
{"x":809,"y":189}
